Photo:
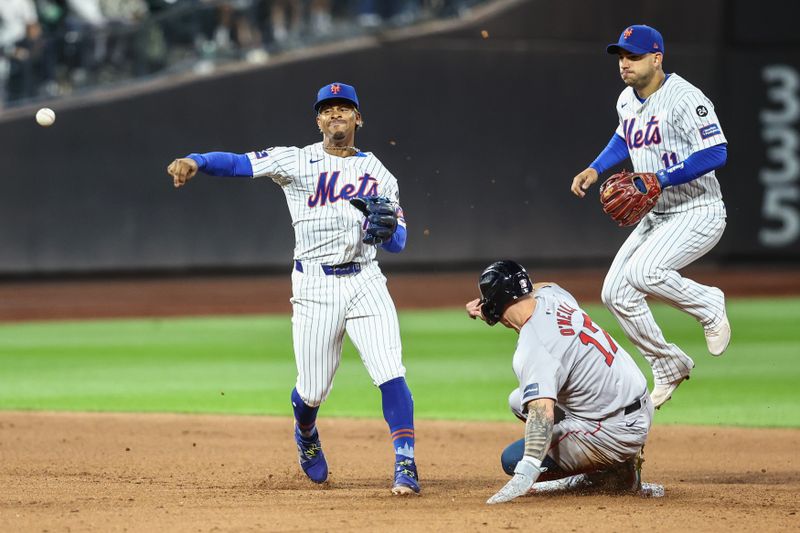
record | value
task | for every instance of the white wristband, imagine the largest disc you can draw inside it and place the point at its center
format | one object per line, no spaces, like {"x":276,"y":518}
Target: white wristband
{"x":529,"y":466}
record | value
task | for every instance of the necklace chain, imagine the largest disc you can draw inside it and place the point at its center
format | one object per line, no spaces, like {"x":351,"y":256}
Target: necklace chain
{"x":342,"y":148}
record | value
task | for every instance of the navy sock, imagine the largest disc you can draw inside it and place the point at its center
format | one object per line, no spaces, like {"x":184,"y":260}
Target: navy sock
{"x":305,"y":416}
{"x":398,"y":410}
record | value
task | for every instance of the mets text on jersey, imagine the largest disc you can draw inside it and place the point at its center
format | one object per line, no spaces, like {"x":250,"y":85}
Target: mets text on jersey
{"x":326,"y":189}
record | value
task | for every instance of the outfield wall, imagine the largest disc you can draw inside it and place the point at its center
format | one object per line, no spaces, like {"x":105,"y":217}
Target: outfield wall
{"x":483,"y":134}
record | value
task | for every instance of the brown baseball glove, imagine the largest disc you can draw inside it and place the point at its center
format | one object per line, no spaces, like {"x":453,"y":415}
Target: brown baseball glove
{"x":627,"y":197}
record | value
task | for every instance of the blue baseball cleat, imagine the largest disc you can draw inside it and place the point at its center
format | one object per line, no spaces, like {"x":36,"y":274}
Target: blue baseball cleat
{"x":405,"y":478}
{"x":312,"y":460}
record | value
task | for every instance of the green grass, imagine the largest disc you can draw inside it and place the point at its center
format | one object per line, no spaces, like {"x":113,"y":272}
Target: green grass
{"x":457,"y":368}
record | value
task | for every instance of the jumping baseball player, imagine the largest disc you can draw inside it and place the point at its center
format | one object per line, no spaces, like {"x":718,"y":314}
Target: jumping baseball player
{"x":669,"y":130}
{"x":337,"y":286}
{"x":564,"y":360}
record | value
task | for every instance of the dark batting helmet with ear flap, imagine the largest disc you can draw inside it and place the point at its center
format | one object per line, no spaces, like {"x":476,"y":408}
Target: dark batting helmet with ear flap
{"x":501,"y":283}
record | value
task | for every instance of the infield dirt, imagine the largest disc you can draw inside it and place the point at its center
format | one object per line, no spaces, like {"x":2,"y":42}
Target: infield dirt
{"x":114,"y":472}
{"x":218,"y":295}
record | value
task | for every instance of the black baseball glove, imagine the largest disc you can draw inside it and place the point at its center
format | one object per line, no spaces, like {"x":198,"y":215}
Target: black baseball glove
{"x":381,"y":218}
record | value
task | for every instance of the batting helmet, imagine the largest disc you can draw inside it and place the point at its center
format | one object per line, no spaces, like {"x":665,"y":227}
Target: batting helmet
{"x":501,"y":283}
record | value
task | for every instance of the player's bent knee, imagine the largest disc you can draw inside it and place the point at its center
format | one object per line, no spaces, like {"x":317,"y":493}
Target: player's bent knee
{"x":643,"y":280}
{"x":515,"y":404}
{"x":606,"y":296}
{"x":610,"y":293}
{"x":512,"y":455}
{"x":612,"y":299}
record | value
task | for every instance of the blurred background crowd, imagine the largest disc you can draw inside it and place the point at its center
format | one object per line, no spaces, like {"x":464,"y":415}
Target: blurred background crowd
{"x":54,"y":48}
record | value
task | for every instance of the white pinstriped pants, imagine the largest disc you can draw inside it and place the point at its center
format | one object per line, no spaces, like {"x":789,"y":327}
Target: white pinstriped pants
{"x":324,"y":307}
{"x":647,"y":264}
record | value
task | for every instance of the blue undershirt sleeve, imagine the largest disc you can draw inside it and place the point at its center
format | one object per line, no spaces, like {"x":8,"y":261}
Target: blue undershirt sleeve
{"x":612,"y":155}
{"x":223,"y":164}
{"x":694,"y":166}
{"x":397,"y":242}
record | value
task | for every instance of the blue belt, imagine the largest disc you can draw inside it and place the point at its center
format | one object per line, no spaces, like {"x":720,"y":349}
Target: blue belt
{"x":345,"y":269}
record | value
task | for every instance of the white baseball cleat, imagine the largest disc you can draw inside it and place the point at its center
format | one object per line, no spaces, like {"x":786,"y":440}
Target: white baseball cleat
{"x":718,"y":338}
{"x":663,"y":391}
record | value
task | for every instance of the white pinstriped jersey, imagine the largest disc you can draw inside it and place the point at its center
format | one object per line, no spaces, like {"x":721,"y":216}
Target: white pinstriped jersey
{"x":561,"y":354}
{"x":671,"y":124}
{"x":318,"y":186}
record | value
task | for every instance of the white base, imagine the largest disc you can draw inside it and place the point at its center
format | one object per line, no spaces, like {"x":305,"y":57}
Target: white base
{"x":651,"y":490}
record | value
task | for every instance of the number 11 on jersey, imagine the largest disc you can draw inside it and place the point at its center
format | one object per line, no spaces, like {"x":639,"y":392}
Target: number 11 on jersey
{"x":669,"y":159}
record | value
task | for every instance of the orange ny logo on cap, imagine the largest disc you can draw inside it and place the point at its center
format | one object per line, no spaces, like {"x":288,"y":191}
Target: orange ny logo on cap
{"x":627,"y":33}
{"x":336,"y":88}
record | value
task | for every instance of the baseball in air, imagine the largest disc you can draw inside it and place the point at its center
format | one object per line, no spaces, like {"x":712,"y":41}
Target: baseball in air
{"x":45,"y":117}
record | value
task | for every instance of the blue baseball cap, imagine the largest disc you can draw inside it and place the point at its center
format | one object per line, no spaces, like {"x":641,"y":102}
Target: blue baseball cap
{"x":638,"y":39}
{"x":336,"y":91}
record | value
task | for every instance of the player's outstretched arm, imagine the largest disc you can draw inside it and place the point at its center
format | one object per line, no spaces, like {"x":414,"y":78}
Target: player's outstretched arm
{"x":582,"y":182}
{"x":182,"y":170}
{"x":538,"y":433}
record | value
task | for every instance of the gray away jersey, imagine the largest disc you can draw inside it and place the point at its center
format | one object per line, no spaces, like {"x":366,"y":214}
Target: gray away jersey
{"x":318,"y":186}
{"x":561,"y":354}
{"x":671,"y":124}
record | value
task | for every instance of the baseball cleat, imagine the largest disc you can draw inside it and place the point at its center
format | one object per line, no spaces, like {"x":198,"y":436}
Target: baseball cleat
{"x":405,"y":478}
{"x":619,"y":478}
{"x":312,"y":460}
{"x":718,"y":338}
{"x":663,"y":392}
{"x":634,"y":465}
{"x":625,"y":477}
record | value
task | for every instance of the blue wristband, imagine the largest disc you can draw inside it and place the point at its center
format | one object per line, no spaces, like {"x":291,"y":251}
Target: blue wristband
{"x":663,"y":179}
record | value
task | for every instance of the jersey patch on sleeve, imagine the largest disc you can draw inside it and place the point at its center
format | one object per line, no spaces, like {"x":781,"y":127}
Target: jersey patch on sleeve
{"x":709,"y":131}
{"x":530,"y":390}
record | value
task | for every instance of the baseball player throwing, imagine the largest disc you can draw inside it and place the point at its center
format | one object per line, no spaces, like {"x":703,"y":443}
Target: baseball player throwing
{"x":337,"y":286}
{"x":670,"y":131}
{"x":564,"y":360}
